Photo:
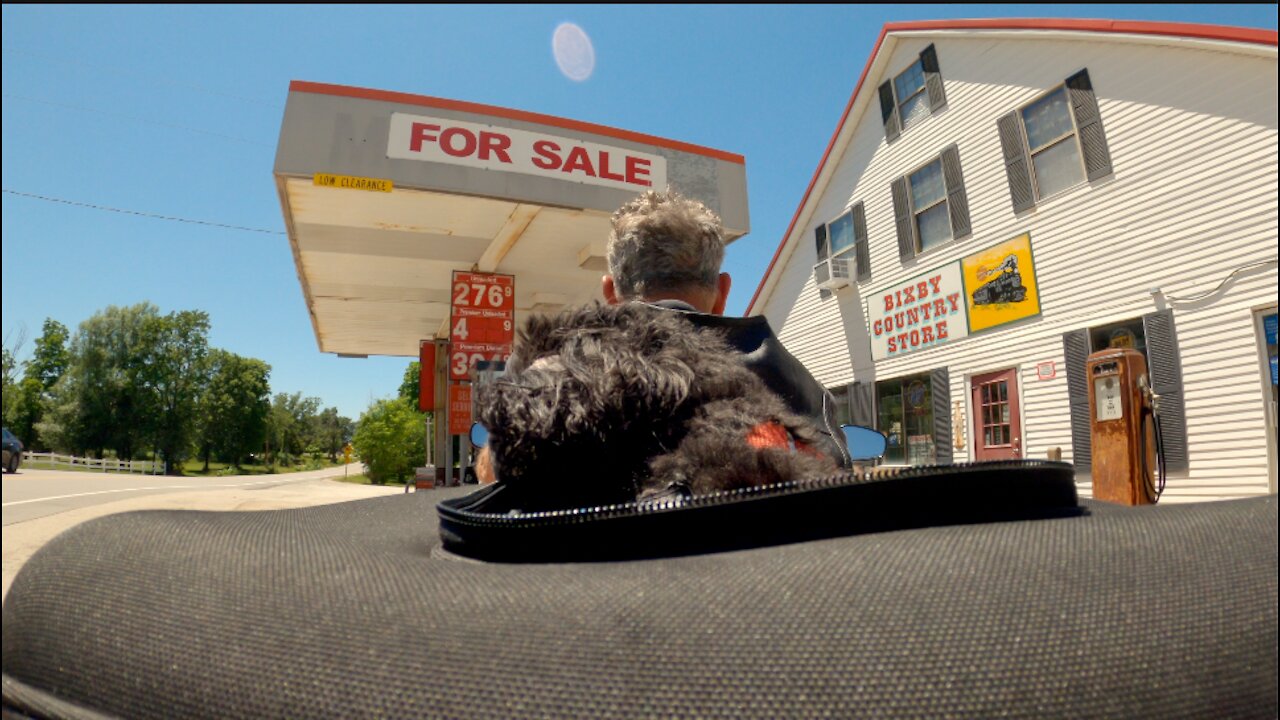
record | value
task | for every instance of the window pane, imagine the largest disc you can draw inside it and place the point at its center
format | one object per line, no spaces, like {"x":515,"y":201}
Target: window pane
{"x":842,"y":406}
{"x":915,"y":108}
{"x":1047,"y":119}
{"x":889,"y":419}
{"x":911,"y":80}
{"x":1058,"y":168}
{"x":917,"y":398}
{"x":927,"y":186}
{"x":841,"y":230}
{"x":935,"y":226}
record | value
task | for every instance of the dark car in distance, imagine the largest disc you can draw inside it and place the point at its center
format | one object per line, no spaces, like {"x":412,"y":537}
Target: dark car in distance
{"x":12,"y":451}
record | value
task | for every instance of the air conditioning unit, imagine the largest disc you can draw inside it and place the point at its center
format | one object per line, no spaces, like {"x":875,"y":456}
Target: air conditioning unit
{"x":833,"y":274}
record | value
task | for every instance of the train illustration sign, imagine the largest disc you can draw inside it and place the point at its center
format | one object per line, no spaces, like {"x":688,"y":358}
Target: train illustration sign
{"x":1000,"y":284}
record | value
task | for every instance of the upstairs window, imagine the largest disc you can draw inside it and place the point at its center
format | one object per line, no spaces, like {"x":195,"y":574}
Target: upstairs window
{"x":844,"y":239}
{"x":1054,"y":143}
{"x":930,"y":205}
{"x":912,"y":95}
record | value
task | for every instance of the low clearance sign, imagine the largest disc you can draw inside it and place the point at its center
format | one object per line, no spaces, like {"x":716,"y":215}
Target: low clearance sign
{"x":923,"y":312}
{"x":444,"y":140}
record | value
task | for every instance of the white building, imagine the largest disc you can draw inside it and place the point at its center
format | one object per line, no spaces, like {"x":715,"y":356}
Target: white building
{"x":1002,"y":197}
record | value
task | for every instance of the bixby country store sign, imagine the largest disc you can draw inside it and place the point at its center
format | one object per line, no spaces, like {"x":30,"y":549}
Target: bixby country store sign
{"x":923,"y":312}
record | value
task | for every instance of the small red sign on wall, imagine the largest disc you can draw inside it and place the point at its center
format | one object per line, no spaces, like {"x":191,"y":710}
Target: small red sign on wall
{"x":1046,"y":370}
{"x":459,"y":409}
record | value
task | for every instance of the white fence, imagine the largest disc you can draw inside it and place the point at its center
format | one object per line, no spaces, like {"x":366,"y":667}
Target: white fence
{"x":54,"y":460}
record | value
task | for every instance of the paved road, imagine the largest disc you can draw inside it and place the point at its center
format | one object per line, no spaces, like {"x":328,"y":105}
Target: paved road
{"x":31,"y":494}
{"x":54,"y":501}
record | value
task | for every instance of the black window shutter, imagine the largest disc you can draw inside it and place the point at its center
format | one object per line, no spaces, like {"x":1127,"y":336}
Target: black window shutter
{"x":1165,"y":366}
{"x":903,"y":219}
{"x":889,"y":112}
{"x":861,"y":412}
{"x":1093,"y":141}
{"x":957,"y":199}
{"x":820,"y":236}
{"x":932,"y":78}
{"x":860,"y":241}
{"x":1075,"y":350}
{"x":941,"y":386}
{"x":1017,"y":164}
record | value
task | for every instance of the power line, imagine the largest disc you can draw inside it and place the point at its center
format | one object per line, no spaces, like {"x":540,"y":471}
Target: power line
{"x":142,"y":214}
{"x":134,"y":118}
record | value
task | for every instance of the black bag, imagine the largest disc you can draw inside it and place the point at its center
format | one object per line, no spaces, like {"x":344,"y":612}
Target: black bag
{"x":360,"y":609}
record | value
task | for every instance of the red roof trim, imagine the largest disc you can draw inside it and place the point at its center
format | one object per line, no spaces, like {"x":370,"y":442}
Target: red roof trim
{"x":1203,"y":32}
{"x":495,"y":111}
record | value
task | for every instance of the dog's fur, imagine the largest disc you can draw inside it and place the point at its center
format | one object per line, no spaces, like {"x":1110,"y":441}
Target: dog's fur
{"x":608,"y":404}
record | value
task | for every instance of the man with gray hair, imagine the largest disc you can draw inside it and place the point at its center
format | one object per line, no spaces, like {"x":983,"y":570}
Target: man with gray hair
{"x":666,"y":250}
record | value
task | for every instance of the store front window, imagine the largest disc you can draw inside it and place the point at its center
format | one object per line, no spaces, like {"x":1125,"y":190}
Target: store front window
{"x":1129,"y":334}
{"x":905,"y":416}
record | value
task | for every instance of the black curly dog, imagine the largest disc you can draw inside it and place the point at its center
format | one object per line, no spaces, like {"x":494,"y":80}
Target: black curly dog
{"x":608,"y":404}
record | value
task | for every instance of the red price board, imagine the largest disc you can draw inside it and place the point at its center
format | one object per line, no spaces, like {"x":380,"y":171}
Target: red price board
{"x":482,"y":320}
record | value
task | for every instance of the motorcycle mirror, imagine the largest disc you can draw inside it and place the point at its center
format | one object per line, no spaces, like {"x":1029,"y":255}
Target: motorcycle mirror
{"x":479,"y":435}
{"x":863,"y":442}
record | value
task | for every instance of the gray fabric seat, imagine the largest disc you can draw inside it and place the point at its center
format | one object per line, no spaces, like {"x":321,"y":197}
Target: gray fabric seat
{"x":355,"y":610}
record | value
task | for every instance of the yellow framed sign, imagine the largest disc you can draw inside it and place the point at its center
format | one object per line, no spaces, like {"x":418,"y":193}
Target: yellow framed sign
{"x":1000,"y":284}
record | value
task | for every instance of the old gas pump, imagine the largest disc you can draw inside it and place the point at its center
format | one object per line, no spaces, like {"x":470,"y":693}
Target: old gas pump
{"x":1125,"y":435}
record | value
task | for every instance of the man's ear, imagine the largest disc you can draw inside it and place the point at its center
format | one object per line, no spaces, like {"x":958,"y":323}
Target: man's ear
{"x":610,"y":290}
{"x":723,"y":283}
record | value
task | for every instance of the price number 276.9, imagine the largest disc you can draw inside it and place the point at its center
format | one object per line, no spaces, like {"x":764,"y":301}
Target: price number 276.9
{"x":480,"y":295}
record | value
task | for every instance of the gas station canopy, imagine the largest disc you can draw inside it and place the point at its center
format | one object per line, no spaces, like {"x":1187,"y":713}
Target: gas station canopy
{"x":385,"y":194}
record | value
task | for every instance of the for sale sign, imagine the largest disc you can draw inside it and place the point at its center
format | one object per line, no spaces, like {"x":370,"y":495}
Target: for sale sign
{"x":482,"y":320}
{"x":456,"y":142}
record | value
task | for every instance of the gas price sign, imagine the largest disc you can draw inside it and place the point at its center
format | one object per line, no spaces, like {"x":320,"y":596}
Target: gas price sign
{"x":482,"y":320}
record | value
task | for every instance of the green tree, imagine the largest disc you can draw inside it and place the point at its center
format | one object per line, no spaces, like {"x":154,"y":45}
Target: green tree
{"x":409,"y":386}
{"x":169,"y":376}
{"x":9,"y":393}
{"x":41,"y":372}
{"x":233,"y":409}
{"x":101,"y":401}
{"x":332,"y":431}
{"x":289,"y":426}
{"x":389,"y":440}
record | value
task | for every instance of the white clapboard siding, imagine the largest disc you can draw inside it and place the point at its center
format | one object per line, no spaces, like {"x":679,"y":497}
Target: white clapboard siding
{"x":1193,"y":140}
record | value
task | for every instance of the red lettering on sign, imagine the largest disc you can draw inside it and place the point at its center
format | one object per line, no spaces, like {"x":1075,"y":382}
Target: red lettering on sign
{"x":942,"y":329}
{"x":954,"y":299}
{"x":422,"y":132}
{"x":926,"y":334}
{"x":908,"y":295}
{"x":876,"y":328}
{"x":913,"y":316}
{"x":547,"y":155}
{"x":888,"y":303}
{"x":578,"y":160}
{"x":939,"y":307}
{"x":638,"y":171}
{"x":604,"y":168}
{"x":936,"y":282}
{"x":922,"y":290}
{"x":496,"y":143}
{"x":468,"y":142}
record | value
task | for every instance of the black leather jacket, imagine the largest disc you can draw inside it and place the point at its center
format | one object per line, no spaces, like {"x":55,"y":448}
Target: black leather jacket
{"x":780,"y":370}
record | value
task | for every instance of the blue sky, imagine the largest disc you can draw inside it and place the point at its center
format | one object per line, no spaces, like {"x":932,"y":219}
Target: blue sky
{"x":176,"y":110}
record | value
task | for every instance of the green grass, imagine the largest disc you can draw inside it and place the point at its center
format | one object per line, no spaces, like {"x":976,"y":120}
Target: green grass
{"x":195,"y":468}
{"x":363,"y":479}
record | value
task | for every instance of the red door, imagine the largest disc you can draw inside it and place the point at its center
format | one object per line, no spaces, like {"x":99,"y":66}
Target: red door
{"x":997,"y":428}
